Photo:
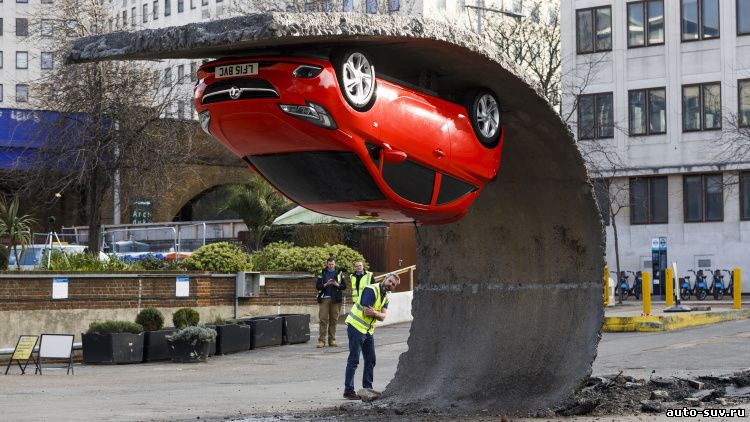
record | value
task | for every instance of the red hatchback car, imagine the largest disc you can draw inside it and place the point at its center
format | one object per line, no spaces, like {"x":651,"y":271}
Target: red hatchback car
{"x":339,"y":140}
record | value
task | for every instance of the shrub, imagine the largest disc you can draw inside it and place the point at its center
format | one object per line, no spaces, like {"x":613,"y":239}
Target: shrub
{"x":194,"y":335}
{"x":151,"y":319}
{"x":217,"y":257}
{"x":4,"y":257}
{"x":151,"y":263}
{"x":185,"y":317}
{"x":284,"y":256}
{"x":219,"y":321}
{"x":62,"y":261}
{"x":109,"y":327}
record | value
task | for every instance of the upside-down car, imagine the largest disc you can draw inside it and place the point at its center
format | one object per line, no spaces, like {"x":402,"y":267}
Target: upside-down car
{"x":337,"y":139}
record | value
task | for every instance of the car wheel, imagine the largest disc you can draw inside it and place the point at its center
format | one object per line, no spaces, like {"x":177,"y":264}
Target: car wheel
{"x":356,"y":76}
{"x":484,"y":113}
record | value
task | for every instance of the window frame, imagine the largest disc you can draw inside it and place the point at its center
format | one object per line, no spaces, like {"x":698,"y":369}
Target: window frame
{"x":744,"y":179}
{"x":701,"y":36}
{"x":701,"y":102}
{"x":592,"y":12}
{"x":739,"y":101}
{"x":51,"y":56}
{"x":704,"y":200}
{"x":648,"y":112}
{"x":27,"y":59}
{"x":646,"y":25}
{"x":737,"y":18}
{"x":26,"y":20}
{"x":649,"y":205}
{"x":26,"y":100}
{"x":597,"y":128}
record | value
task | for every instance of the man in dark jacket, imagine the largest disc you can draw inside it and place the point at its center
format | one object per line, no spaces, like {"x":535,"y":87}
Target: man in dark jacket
{"x":329,"y":285}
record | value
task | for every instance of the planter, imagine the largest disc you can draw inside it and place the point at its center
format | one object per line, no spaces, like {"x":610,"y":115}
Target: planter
{"x":295,"y":328}
{"x":155,"y":345}
{"x":112,"y":348}
{"x":211,"y":345}
{"x":233,"y":338}
{"x":267,"y":331}
{"x":188,"y":351}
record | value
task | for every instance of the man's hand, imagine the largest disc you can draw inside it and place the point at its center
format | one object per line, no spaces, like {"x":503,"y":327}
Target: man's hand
{"x":370,"y":312}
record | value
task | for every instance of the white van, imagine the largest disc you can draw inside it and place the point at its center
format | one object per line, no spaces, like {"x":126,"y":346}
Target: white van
{"x":31,"y":256}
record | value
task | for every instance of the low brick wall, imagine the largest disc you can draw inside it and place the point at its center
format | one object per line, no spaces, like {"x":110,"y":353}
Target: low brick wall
{"x":27,"y":307}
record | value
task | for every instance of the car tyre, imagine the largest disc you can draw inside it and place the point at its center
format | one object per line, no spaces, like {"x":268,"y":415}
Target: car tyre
{"x":355,"y":73}
{"x":484,"y":114}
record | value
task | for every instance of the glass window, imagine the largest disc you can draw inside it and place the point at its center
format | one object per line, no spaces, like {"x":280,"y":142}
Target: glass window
{"x":167,"y":7}
{"x":1,"y":59}
{"x":22,"y":93}
{"x":155,"y":10}
{"x":744,"y":189}
{"x":132,"y":16}
{"x":22,"y":27}
{"x":22,"y":60}
{"x":647,"y":110}
{"x":636,"y":25}
{"x":46,"y":27}
{"x":167,"y":76}
{"x":594,"y":29}
{"x":648,"y":200}
{"x":47,"y":61}
{"x":180,"y":6}
{"x":124,"y":18}
{"x":348,"y":5}
{"x":193,"y":71}
{"x":317,"y":177}
{"x":744,"y":102}
{"x":595,"y":116}
{"x":743,"y":17}
{"x":704,"y":198}
{"x":371,"y":6}
{"x":410,"y":180}
{"x":452,"y":189}
{"x":192,"y":4}
{"x":601,"y":190}
{"x":145,"y":13}
{"x":700,"y":19}
{"x":645,"y":23}
{"x":1,"y":93}
{"x":180,"y":73}
{"x":701,"y":107}
{"x":1,"y":26}
{"x":395,"y":5}
{"x":204,"y":2}
{"x":655,"y":22}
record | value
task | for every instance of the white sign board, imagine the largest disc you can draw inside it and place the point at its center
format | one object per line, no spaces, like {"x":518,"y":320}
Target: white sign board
{"x":56,"y":346}
{"x":182,"y":288}
{"x":59,"y":288}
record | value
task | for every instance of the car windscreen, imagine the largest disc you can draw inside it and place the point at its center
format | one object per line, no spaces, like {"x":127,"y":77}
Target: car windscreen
{"x":316,"y":177}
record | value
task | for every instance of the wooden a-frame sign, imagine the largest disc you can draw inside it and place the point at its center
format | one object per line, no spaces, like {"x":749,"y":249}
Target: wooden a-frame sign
{"x":24,"y":352}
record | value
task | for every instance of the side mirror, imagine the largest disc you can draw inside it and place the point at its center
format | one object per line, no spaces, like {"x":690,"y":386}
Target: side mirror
{"x":394,"y":156}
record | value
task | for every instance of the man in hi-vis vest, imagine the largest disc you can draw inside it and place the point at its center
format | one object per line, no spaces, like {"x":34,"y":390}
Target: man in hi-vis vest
{"x":359,"y":280}
{"x":360,"y":323}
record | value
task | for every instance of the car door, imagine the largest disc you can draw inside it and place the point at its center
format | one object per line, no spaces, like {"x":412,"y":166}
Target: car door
{"x":411,"y":122}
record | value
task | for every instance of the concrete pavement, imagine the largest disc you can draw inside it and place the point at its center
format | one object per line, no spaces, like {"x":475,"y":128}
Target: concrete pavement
{"x":628,"y":316}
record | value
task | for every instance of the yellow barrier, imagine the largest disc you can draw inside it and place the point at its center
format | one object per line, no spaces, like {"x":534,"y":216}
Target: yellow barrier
{"x":737,"y":293}
{"x":670,"y":287}
{"x":606,"y":286}
{"x":646,"y":292}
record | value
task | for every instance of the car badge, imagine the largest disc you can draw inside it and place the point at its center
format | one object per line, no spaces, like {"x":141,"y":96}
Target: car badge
{"x":234,"y":92}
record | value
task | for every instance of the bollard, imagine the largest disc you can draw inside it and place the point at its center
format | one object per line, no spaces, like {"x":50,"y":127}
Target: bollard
{"x":606,"y":286}
{"x":670,"y":287}
{"x":646,"y":292}
{"x":737,"y":293}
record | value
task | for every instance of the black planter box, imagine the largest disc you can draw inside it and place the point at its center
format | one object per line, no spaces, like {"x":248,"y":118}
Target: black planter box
{"x":112,"y":348}
{"x":267,"y":331}
{"x":212,"y":345}
{"x":182,"y":351}
{"x":233,"y":338}
{"x":295,"y":328}
{"x":155,"y":345}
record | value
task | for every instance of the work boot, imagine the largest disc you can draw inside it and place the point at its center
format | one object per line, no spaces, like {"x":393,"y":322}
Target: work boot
{"x":333,"y":344}
{"x":351,"y":395}
{"x":321,"y":344}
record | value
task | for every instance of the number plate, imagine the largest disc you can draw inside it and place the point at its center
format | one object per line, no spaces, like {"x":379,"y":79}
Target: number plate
{"x":242,"y":69}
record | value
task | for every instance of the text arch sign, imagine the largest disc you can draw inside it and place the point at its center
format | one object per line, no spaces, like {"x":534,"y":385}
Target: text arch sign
{"x":56,"y":346}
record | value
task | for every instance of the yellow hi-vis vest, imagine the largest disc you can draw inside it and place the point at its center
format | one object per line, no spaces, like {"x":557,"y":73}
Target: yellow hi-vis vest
{"x":357,"y":289}
{"x":357,"y":318}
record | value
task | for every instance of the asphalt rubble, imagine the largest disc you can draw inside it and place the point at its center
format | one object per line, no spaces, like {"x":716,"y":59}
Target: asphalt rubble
{"x":611,"y":395}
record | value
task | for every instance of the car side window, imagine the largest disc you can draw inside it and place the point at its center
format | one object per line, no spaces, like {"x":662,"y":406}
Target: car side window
{"x":411,"y":181}
{"x":452,"y":189}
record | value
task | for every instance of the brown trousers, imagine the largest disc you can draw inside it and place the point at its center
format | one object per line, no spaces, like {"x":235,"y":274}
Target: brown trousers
{"x":328,"y":313}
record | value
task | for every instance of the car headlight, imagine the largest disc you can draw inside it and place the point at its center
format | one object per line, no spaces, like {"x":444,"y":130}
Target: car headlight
{"x":307,"y":71}
{"x":205,"y":119}
{"x":312,"y":113}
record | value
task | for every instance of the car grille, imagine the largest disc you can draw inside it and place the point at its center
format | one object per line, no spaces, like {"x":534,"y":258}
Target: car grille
{"x":247,"y":88}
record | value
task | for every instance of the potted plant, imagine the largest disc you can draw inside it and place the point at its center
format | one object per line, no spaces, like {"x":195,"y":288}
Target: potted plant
{"x":154,"y":336}
{"x":267,"y":330}
{"x":295,"y":328}
{"x":191,"y":344}
{"x":189,"y":317}
{"x":113,"y":342}
{"x":232,"y":337}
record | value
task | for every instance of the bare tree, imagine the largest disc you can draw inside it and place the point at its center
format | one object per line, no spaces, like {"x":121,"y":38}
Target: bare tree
{"x":108,"y":121}
{"x":363,"y":6}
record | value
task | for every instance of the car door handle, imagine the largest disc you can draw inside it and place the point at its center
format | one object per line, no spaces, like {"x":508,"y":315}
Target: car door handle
{"x":439,"y":153}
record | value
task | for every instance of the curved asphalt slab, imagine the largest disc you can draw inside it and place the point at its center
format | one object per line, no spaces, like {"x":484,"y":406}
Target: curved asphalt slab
{"x":508,"y":308}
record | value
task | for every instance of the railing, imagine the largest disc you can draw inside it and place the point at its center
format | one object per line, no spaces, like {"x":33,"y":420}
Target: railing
{"x":410,"y":269}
